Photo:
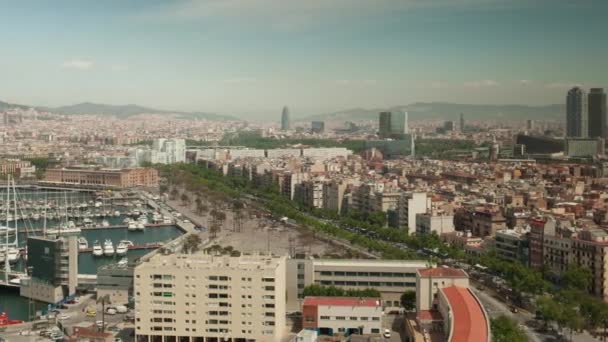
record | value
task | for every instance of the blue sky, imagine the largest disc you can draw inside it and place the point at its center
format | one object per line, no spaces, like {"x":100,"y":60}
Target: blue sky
{"x":250,"y":57}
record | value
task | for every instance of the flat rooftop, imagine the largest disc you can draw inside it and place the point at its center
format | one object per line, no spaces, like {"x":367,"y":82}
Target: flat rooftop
{"x":342,"y":301}
{"x":371,"y":263}
{"x":443,"y":272}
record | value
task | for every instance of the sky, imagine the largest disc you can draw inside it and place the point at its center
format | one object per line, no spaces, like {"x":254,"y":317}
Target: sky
{"x":250,"y":57}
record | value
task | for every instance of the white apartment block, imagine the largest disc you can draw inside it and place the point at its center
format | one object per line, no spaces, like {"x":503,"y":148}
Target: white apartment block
{"x":330,"y":315}
{"x":205,"y":298}
{"x":164,"y":151}
{"x":326,"y":153}
{"x":411,"y":204}
{"x":429,"y":223}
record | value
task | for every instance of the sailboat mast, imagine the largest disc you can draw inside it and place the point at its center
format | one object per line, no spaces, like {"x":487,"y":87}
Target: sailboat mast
{"x":7,"y":265}
{"x":16,"y":221}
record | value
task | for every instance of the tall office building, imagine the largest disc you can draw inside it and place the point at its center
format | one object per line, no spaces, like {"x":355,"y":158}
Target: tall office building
{"x":392,"y":124}
{"x":576,"y":113}
{"x":285,"y":121}
{"x":462,"y":122}
{"x":597,"y":113}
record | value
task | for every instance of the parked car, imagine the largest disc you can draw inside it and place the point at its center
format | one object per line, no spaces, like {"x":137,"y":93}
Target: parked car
{"x":387,"y":333}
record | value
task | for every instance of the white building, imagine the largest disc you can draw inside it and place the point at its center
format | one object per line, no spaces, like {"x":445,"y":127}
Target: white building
{"x":411,"y":204}
{"x":429,"y":223}
{"x":348,"y":315}
{"x":163,"y":151}
{"x":210,"y":298}
{"x":326,"y":153}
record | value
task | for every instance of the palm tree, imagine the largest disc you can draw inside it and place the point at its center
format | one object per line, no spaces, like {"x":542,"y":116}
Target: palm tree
{"x":105,"y":299}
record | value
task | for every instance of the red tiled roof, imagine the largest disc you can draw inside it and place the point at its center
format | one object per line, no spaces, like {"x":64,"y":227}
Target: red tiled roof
{"x":469,"y":321}
{"x":341,"y":301}
{"x":442,"y":272}
{"x":429,"y":315}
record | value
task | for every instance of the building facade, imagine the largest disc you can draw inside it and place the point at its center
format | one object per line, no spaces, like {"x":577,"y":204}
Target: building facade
{"x":99,"y":177}
{"x":210,"y":298}
{"x":577,"y":113}
{"x":346,"y":315}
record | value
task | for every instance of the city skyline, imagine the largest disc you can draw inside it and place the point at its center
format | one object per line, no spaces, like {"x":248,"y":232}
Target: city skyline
{"x":316,"y":56}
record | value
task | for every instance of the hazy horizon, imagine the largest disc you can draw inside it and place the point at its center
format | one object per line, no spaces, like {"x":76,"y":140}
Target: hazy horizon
{"x":248,"y":58}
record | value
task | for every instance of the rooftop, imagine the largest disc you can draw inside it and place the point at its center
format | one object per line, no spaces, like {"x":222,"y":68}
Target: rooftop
{"x":442,"y":272}
{"x":371,"y":263}
{"x":469,"y":320}
{"x":342,"y":301}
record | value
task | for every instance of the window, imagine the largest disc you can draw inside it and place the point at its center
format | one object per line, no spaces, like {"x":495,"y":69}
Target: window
{"x":375,"y":318}
{"x":352,"y":318}
{"x":340,"y":318}
{"x":309,"y":319}
{"x":325,"y":317}
{"x":325,"y":273}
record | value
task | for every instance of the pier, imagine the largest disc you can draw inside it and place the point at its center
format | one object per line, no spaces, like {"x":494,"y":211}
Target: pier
{"x":150,"y":225}
{"x":151,"y":245}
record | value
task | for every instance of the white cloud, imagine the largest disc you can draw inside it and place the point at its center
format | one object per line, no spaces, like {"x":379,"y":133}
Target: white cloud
{"x":79,"y":64}
{"x":480,"y":84}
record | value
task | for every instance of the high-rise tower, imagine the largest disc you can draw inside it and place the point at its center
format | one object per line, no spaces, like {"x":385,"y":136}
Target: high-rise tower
{"x":392,"y":123}
{"x":285,"y":121}
{"x":576,"y":113}
{"x":597,"y":113}
{"x":461,"y":122}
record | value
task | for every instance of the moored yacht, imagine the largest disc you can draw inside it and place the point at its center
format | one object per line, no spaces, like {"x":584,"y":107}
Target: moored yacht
{"x":82,"y":243}
{"x":121,"y":249}
{"x":97,"y":250}
{"x":108,"y":248}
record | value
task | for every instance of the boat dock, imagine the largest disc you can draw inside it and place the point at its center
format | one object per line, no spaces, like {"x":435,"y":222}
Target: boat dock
{"x":150,"y":225}
{"x":151,"y":245}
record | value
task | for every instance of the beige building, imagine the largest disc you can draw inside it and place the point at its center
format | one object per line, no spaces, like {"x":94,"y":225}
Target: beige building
{"x":99,"y":177}
{"x":390,"y":277}
{"x":590,"y":250}
{"x":205,"y":298}
{"x":430,"y":280}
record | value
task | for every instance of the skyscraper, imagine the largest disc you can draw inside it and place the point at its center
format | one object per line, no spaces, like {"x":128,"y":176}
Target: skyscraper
{"x":285,"y":122}
{"x":576,"y":113}
{"x":597,"y":113}
{"x":461,"y":122}
{"x":392,"y":124}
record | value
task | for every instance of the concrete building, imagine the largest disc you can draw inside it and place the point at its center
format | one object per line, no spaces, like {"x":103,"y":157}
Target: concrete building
{"x":100,"y":177}
{"x":330,"y":315}
{"x":166,"y":151}
{"x":590,"y":250}
{"x":390,"y":277}
{"x":309,"y":193}
{"x":577,"y":117}
{"x":210,"y":298}
{"x":512,"y":245}
{"x":410,"y":205}
{"x":584,"y":147}
{"x":392,"y":124}
{"x":428,"y":223}
{"x":115,"y":281}
{"x":333,"y":195}
{"x":596,"y":103}
{"x":430,"y":280}
{"x":53,"y":263}
{"x":17,"y":168}
{"x":317,"y":127}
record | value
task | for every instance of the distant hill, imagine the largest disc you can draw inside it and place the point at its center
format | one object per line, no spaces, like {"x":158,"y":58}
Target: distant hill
{"x":119,"y":111}
{"x":450,"y":111}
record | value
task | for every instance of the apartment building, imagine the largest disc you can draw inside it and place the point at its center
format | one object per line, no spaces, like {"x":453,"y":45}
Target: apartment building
{"x":557,"y":253}
{"x":410,"y":205}
{"x":17,"y":167}
{"x":310,"y":193}
{"x":429,"y":223}
{"x":333,"y":195}
{"x":205,"y":298}
{"x":390,"y":277}
{"x":590,"y":250}
{"x":512,"y":245}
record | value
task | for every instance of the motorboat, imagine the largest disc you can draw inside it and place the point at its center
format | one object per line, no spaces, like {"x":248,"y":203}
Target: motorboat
{"x":116,"y":213}
{"x":12,"y":253}
{"x":121,"y":249}
{"x":97,"y":250}
{"x":105,"y":223}
{"x":126,"y":220}
{"x":123,"y":262}
{"x":140,"y":226}
{"x":132,"y":225}
{"x":128,"y":243}
{"x":108,"y":248}
{"x":5,"y":321}
{"x":82,"y":243}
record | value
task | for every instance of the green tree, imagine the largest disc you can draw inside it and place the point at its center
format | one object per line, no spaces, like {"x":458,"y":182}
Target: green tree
{"x":504,"y":329}
{"x":185,"y":199}
{"x":408,"y":300}
{"x":191,"y":243}
{"x":576,"y":277}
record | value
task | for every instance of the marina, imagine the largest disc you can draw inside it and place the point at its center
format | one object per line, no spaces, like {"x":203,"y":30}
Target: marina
{"x":109,"y":230}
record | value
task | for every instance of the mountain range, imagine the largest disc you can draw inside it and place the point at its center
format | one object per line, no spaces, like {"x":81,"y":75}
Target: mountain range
{"x":119,"y":111}
{"x":416,"y":111}
{"x":449,"y":111}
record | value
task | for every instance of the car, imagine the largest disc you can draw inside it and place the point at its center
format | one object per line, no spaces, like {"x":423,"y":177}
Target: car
{"x":64,"y":317}
{"x":387,"y":333}
{"x":514,"y":309}
{"x":99,"y":324}
{"x":111,"y":311}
